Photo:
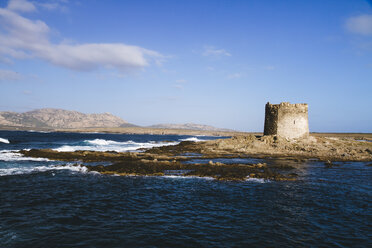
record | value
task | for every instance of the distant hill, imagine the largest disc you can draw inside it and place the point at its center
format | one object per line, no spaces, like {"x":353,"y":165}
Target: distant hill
{"x":49,"y":118}
{"x":59,"y":118}
{"x":190,"y":126}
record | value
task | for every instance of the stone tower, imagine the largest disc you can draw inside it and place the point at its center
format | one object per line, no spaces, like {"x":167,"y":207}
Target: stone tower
{"x":287,"y":120}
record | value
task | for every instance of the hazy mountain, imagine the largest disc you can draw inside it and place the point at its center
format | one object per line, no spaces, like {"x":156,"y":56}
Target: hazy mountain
{"x":190,"y":126}
{"x":59,"y":118}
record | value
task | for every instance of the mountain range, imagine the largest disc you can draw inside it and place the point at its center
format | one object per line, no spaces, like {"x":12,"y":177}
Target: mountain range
{"x":49,"y":118}
{"x":59,"y":118}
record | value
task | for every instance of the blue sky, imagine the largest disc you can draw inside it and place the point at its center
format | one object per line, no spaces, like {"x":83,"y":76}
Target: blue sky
{"x":207,"y":62}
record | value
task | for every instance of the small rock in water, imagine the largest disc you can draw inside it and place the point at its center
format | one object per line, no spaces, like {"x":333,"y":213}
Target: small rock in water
{"x":328,"y":163}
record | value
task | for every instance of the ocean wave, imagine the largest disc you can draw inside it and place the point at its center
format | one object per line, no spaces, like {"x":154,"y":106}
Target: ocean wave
{"x":34,"y":131}
{"x":103,"y":142}
{"x":187,"y":177}
{"x":257,"y":180}
{"x":167,"y":177}
{"x":2,"y":140}
{"x":195,"y":139}
{"x":28,"y":170}
{"x":110,"y":145}
{"x":13,"y":155}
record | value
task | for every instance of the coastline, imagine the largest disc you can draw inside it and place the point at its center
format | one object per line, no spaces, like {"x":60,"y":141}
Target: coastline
{"x":161,"y":131}
{"x":181,"y":157}
{"x":129,"y":130}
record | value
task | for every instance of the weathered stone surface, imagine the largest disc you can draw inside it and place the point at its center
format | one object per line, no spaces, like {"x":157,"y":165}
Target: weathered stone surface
{"x":286,"y":120}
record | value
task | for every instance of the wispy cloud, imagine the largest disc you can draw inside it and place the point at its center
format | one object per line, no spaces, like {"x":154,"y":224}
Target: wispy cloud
{"x":21,"y":6}
{"x":234,"y":76}
{"x":361,"y":24}
{"x":212,"y":51}
{"x":181,"y":81}
{"x":53,"y":5}
{"x":27,"y":92}
{"x":269,"y":67}
{"x":8,"y":75}
{"x":22,"y":38}
{"x":178,"y":86}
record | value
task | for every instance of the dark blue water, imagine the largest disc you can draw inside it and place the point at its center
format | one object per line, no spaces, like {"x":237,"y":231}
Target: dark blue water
{"x":42,"y":205}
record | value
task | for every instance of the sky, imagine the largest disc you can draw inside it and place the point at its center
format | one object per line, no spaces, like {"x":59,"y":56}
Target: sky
{"x":194,"y":61}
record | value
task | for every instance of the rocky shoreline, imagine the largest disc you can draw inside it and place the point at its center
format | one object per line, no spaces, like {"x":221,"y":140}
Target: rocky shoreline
{"x":179,"y":159}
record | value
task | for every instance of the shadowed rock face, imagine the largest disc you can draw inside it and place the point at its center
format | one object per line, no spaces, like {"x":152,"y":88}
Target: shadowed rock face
{"x":59,"y":118}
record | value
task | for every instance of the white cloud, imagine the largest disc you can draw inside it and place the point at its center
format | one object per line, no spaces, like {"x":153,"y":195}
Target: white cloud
{"x":212,"y":51}
{"x":21,"y":6}
{"x":53,"y":5}
{"x":234,"y":75}
{"x":181,"y":81}
{"x":178,"y":86}
{"x":8,"y":75}
{"x":361,"y":24}
{"x":22,"y":38}
{"x":5,"y":60}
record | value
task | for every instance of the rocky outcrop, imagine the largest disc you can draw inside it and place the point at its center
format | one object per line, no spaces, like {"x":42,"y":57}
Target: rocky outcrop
{"x":59,"y":118}
{"x":161,"y":164}
{"x":176,"y":159}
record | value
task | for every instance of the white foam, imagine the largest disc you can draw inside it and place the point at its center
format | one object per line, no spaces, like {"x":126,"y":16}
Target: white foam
{"x":34,"y":131}
{"x":2,"y":140}
{"x":168,"y":176}
{"x":256,"y":180}
{"x":13,"y":155}
{"x":188,"y":177}
{"x":28,"y":170}
{"x":103,"y":142}
{"x":195,"y":139}
{"x":110,"y":145}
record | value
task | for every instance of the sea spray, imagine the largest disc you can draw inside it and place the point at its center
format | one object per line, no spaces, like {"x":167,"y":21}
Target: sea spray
{"x":14,"y":155}
{"x":6,"y":141}
{"x":110,"y":145}
{"x":36,"y":169}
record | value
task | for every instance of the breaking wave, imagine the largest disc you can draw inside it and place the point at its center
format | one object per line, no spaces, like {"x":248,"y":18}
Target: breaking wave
{"x":34,"y":131}
{"x":13,"y":155}
{"x":257,"y":180}
{"x":110,"y":145}
{"x":195,"y":139}
{"x":2,"y":140}
{"x":29,"y":170}
{"x":187,"y":177}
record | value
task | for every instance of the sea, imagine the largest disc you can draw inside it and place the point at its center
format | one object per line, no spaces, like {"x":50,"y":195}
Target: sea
{"x":46,"y":203}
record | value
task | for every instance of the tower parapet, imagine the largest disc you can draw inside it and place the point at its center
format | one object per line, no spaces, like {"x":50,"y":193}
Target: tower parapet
{"x":287,"y":120}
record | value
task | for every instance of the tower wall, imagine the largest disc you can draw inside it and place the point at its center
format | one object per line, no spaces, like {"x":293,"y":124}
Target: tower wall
{"x":286,"y":120}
